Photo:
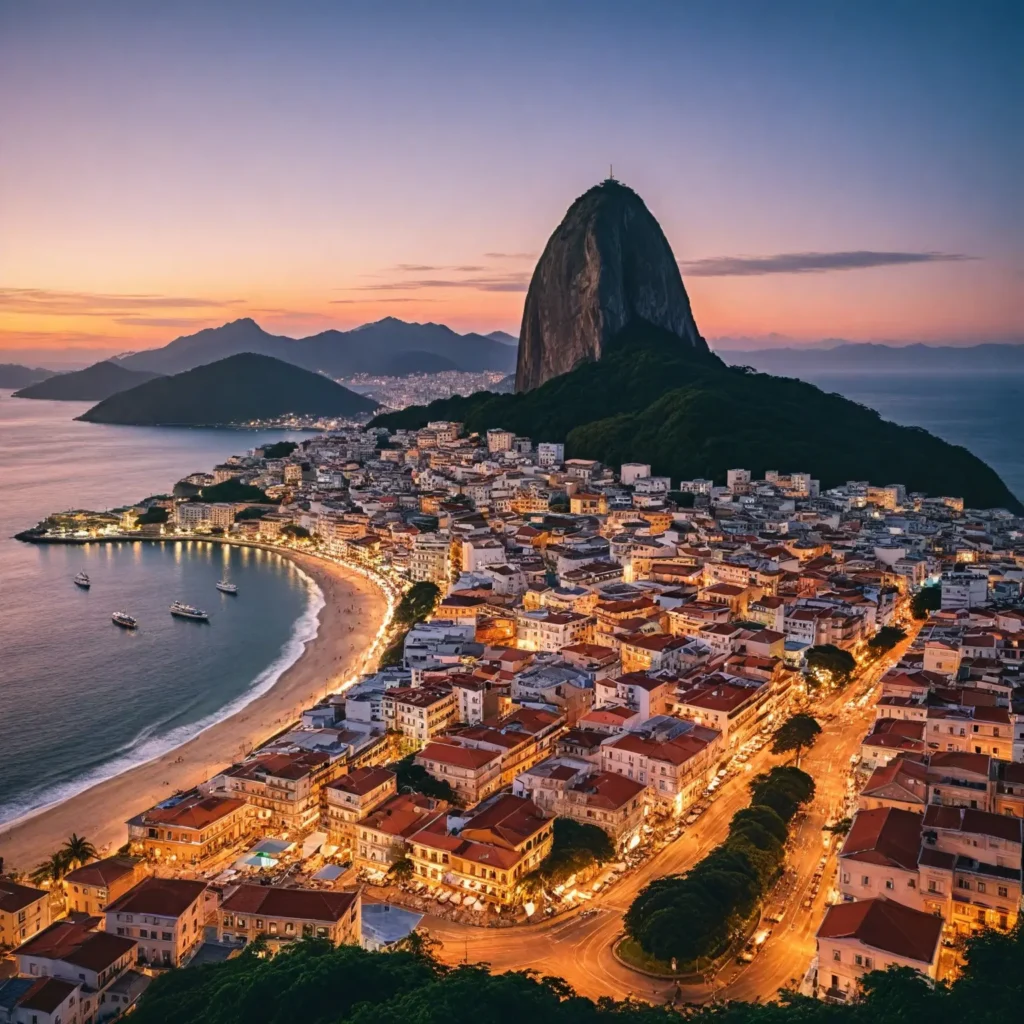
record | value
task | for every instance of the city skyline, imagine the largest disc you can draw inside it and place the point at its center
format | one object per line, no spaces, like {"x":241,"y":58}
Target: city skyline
{"x":819,"y":173}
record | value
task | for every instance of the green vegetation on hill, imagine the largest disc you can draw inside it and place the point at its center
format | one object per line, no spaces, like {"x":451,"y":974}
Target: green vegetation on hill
{"x":694,"y":916}
{"x":317,"y":983}
{"x":280,"y":450}
{"x":652,"y":399}
{"x":417,"y":604}
{"x":239,"y":389}
{"x":414,"y":777}
{"x":234,"y":490}
{"x":576,"y":846}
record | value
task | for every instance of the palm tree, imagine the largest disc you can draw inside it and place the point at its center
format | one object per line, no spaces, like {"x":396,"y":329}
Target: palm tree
{"x":78,"y":851}
{"x":50,"y":871}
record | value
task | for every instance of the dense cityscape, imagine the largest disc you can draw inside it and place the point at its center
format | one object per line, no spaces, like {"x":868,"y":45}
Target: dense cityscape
{"x":589,"y":679}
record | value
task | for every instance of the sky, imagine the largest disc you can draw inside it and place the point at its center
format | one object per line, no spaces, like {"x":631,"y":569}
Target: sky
{"x":822,"y":170}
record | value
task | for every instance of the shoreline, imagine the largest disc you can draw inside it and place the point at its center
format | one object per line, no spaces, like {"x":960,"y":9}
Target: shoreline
{"x":327,"y":660}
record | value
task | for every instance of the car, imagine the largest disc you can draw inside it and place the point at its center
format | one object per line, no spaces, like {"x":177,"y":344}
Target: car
{"x":745,"y":957}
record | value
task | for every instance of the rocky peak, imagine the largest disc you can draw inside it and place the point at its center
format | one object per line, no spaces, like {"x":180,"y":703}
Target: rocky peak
{"x":607,"y":265}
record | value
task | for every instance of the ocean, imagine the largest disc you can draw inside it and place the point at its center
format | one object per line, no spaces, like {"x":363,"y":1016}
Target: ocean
{"x":80,"y":698}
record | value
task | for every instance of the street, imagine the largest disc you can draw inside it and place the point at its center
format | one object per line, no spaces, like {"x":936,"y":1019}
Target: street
{"x":580,"y":950}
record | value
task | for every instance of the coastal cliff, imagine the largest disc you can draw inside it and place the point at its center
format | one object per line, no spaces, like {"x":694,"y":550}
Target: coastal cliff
{"x":606,"y":266}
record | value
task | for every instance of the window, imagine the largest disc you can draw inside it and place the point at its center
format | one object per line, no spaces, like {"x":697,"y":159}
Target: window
{"x":1002,"y":890}
{"x":982,"y":887}
{"x":858,"y":960}
{"x":869,"y":963}
{"x":865,"y":881}
{"x":166,"y":936}
{"x":889,"y":883}
{"x":836,"y":955}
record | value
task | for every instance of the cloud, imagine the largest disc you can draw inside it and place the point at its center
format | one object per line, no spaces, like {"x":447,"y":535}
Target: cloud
{"x":510,"y":255}
{"x":811,"y":262}
{"x":510,"y":282}
{"x":425,"y":268}
{"x":387,"y":301}
{"x":67,"y":303}
{"x":162,"y":321}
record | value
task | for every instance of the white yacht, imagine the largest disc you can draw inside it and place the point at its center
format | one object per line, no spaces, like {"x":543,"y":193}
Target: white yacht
{"x":226,"y":588}
{"x":125,"y":620}
{"x":188,"y":611}
{"x":82,"y":580}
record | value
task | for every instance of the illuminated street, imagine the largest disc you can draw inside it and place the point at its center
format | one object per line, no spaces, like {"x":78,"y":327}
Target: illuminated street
{"x":580,"y":950}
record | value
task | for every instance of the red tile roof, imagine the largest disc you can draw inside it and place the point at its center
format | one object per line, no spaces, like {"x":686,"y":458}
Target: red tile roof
{"x":102,"y":872}
{"x":15,"y":897}
{"x":298,"y":904}
{"x":46,"y":995}
{"x":887,"y":926}
{"x":162,"y":897}
{"x":884,"y":836}
{"x":73,"y":941}
{"x":363,"y":780}
{"x":966,"y":819}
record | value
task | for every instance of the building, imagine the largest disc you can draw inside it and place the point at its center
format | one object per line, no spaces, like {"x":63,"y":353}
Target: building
{"x":283,"y":915}
{"x":568,"y":787}
{"x":166,"y":917}
{"x":550,"y":631}
{"x":873,"y":935}
{"x":189,"y":829}
{"x":499,"y":440}
{"x":550,"y":454}
{"x":352,"y":797}
{"x":24,"y":912}
{"x":493,"y":851}
{"x":382,"y":836}
{"x":88,"y":889}
{"x":284,"y":788}
{"x":429,"y":559}
{"x":39,"y":1001}
{"x":97,"y":962}
{"x":647,"y":695}
{"x":418,"y":713}
{"x":473,"y":772}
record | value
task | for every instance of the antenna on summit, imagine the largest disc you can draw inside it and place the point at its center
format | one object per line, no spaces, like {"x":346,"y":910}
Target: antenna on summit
{"x":611,"y":172}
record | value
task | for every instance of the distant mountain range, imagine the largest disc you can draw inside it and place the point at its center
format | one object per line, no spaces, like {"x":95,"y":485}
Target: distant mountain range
{"x":236,"y":390}
{"x":13,"y":375}
{"x":389,"y":346}
{"x":93,"y":384}
{"x":871,"y":358}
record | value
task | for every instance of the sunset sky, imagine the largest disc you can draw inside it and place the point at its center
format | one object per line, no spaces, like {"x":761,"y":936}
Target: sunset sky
{"x":822,"y":170}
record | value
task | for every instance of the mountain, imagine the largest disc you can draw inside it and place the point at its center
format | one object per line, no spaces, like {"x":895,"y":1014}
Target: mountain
{"x":866,"y":357}
{"x":93,"y":384}
{"x":607,"y":265}
{"x":373,"y":348}
{"x":236,"y":390}
{"x":208,"y":346}
{"x":650,"y":399}
{"x":12,"y":375}
{"x":504,"y":337}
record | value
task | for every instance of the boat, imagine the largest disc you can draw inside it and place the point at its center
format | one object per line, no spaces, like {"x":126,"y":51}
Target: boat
{"x":226,"y":588}
{"x":188,"y":611}
{"x":125,"y":620}
{"x":82,"y":580}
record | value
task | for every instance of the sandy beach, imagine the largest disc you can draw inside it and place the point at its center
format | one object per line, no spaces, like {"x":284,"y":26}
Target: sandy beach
{"x":353,"y":611}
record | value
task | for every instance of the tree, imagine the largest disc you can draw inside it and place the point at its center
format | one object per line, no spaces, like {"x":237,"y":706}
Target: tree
{"x":412,"y":777}
{"x":50,"y":871}
{"x":887,"y":638}
{"x":402,"y":870}
{"x":828,"y":665}
{"x":153,"y":515}
{"x":575,"y":847}
{"x":796,"y":733}
{"x":417,"y":603}
{"x":279,"y":450}
{"x":295,"y":531}
{"x":926,"y":600}
{"x":78,"y":851}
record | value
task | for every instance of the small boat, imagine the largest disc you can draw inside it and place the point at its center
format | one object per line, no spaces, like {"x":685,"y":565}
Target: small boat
{"x":125,"y":620}
{"x":188,"y":611}
{"x":82,"y":580}
{"x":226,"y":588}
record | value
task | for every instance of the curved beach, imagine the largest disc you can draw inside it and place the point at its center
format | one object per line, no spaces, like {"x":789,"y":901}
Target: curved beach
{"x":100,"y":813}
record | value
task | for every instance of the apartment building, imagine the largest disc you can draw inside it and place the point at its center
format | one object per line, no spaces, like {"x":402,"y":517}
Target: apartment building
{"x":283,"y":915}
{"x":166,"y":917}
{"x":490,"y":855}
{"x":418,"y":713}
{"x":24,"y":912}
{"x":873,"y":935}
{"x":352,"y":797}
{"x":646,"y":694}
{"x":88,"y":889}
{"x":382,"y":836}
{"x":550,"y":631}
{"x":189,"y":829}
{"x":473,"y":772}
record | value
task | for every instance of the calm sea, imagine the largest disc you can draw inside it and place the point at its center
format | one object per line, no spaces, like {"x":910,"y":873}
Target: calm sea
{"x":80,"y":698}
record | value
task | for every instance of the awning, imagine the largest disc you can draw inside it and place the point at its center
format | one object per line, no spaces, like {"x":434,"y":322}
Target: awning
{"x":312,"y":843}
{"x":329,"y":873}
